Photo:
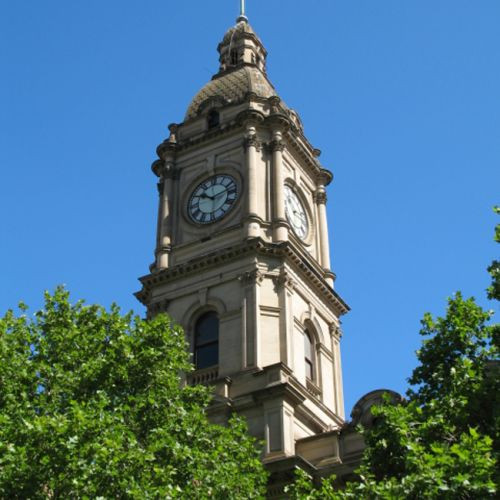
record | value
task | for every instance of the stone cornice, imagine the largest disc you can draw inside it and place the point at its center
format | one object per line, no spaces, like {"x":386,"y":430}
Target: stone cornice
{"x":302,"y":264}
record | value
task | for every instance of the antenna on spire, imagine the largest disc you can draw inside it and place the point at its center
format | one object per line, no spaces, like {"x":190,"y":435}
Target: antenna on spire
{"x":242,"y":16}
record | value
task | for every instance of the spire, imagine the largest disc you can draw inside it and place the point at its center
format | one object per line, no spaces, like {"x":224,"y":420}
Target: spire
{"x":242,"y":17}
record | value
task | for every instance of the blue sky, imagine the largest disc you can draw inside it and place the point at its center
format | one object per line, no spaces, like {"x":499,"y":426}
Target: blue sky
{"x":402,"y":97}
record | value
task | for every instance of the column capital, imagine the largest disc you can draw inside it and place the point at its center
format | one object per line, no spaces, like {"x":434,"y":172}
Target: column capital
{"x":251,"y":277}
{"x":277,"y":145}
{"x":320,"y":197}
{"x":252,"y":142}
{"x":284,"y":280}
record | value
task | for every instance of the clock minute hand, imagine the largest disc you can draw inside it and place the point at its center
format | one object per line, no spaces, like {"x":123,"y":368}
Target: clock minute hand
{"x":221,"y":193}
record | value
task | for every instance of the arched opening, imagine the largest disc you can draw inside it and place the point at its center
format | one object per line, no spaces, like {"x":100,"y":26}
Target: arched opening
{"x":309,"y":360}
{"x":213,"y":119}
{"x":234,"y":57}
{"x":206,"y":341}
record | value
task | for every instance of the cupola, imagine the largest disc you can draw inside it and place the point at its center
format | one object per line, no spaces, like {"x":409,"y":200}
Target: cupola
{"x":241,"y":47}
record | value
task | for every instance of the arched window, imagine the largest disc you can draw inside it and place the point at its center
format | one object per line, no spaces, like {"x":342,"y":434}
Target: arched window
{"x":213,"y":119}
{"x":309,"y":355}
{"x":206,"y":341}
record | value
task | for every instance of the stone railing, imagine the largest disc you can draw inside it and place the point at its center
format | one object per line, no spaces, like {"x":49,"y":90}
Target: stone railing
{"x":207,"y":376}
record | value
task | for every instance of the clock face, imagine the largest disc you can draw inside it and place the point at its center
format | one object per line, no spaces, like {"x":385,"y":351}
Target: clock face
{"x":212,"y":199}
{"x":296,"y":214}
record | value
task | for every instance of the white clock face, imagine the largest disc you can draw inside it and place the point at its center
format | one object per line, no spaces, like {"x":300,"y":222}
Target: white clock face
{"x":296,"y":214}
{"x":212,"y":199}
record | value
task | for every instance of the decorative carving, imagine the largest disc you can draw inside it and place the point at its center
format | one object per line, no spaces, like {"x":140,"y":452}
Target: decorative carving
{"x":336,"y":331}
{"x":252,"y":277}
{"x":277,"y":145}
{"x":252,"y":141}
{"x":274,"y":102}
{"x":284,"y":280}
{"x":320,"y":197}
{"x":158,"y":307}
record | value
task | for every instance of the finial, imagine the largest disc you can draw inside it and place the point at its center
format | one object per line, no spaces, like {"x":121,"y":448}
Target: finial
{"x":242,"y":17}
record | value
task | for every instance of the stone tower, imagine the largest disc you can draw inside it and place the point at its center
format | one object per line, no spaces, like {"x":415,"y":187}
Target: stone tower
{"x":242,"y":257}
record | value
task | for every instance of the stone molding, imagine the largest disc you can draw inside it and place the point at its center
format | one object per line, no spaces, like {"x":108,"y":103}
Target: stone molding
{"x":303,"y":264}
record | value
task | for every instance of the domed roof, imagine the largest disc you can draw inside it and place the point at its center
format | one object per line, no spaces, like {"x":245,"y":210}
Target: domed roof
{"x":232,"y":88}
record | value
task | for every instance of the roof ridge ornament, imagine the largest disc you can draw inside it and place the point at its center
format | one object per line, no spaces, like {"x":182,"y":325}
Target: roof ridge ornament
{"x":242,"y":17}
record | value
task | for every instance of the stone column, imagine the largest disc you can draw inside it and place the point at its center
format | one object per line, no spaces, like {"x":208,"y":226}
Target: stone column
{"x":252,"y":146}
{"x":165,"y":226}
{"x":324,"y":251}
{"x":165,"y":170}
{"x":280,"y":225}
{"x":336,"y":334}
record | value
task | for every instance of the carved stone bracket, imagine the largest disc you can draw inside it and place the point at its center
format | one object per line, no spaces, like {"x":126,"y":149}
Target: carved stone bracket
{"x":336,"y":331}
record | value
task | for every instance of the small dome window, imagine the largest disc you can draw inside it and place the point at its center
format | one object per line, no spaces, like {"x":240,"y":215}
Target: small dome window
{"x":213,"y":119}
{"x":234,"y":57}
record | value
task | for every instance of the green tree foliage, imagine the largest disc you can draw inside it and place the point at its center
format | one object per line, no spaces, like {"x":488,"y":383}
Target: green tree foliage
{"x":442,"y":442}
{"x":91,"y":406}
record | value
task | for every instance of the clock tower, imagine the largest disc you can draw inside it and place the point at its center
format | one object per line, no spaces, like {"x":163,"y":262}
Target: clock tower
{"x":242,"y":258}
